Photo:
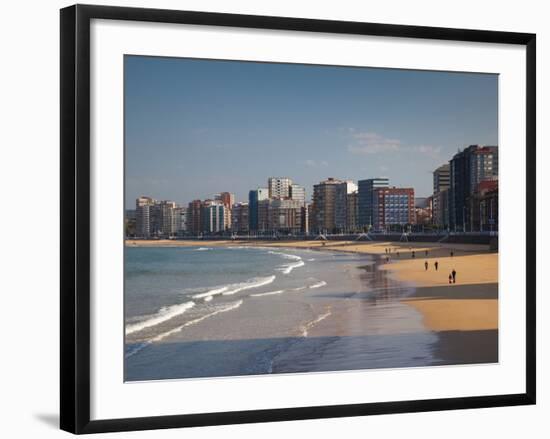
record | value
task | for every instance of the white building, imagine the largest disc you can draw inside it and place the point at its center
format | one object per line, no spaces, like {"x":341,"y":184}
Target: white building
{"x":298,"y":193}
{"x":279,"y":187}
{"x":214,"y":217}
{"x":143,"y":216}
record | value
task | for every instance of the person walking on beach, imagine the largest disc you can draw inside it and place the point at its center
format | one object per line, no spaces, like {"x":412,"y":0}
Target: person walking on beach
{"x":452,"y":253}
{"x":450,"y":278}
{"x":426,"y":252}
{"x":454,"y":275}
{"x":397,"y":254}
{"x":426,"y":265}
{"x":413,"y":255}
{"x":436,"y":264}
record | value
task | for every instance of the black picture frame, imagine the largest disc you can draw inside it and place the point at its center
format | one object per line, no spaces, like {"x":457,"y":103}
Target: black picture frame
{"x":75,"y":217}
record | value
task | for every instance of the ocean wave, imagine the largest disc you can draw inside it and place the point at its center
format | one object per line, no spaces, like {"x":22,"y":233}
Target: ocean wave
{"x":140,"y":346}
{"x":270,"y":293}
{"x":318,"y":284}
{"x":285,"y":255}
{"x":201,"y":249}
{"x":164,"y":314}
{"x":288,"y":268}
{"x":249,"y":284}
{"x":208,"y":294}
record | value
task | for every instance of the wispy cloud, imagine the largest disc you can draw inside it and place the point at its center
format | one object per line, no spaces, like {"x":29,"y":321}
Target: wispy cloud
{"x":372,"y":143}
{"x":367,"y":142}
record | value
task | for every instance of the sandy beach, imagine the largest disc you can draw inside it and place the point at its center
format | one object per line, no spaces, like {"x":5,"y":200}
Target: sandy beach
{"x":464,"y":315}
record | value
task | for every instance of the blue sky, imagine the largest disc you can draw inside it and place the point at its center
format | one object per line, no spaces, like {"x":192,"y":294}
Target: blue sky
{"x":198,"y":127}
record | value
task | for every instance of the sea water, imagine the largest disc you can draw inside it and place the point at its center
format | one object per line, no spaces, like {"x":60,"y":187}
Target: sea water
{"x":229,"y":311}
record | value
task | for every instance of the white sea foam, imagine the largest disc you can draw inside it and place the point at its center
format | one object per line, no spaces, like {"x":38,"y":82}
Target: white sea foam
{"x":285,"y":255}
{"x":318,"y":284}
{"x":305,"y":328}
{"x":210,"y":293}
{"x":201,"y":249}
{"x":270,"y":293}
{"x":164,"y":314}
{"x":252,"y":283}
{"x":139,"y":347}
{"x":288,"y":268}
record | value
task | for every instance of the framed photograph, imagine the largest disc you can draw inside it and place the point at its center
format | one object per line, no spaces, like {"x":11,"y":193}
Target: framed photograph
{"x":273,"y":218}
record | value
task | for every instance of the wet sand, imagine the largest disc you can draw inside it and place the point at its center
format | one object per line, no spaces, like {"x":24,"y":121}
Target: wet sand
{"x":464,"y":315}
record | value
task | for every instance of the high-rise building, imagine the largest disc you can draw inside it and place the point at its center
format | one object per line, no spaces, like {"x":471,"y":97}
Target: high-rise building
{"x":468,"y":168}
{"x":194,"y":217}
{"x":298,"y":193}
{"x":279,"y":187}
{"x":213,"y":216}
{"x":324,"y":205}
{"x":227,"y":198}
{"x":352,"y":211}
{"x":263,"y":215}
{"x":341,"y":204}
{"x":366,"y":200}
{"x":484,"y":165}
{"x":239,"y":218}
{"x":164,"y":219}
{"x":440,"y":200}
{"x":254,"y":198}
{"x":143,"y":216}
{"x":155,"y":218}
{"x":393,"y":206}
{"x":284,"y":215}
{"x":181,"y":220}
{"x":441,"y":178}
{"x":440,"y":209}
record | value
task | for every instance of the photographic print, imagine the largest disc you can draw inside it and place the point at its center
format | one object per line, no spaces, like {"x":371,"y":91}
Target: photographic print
{"x":293,"y":218}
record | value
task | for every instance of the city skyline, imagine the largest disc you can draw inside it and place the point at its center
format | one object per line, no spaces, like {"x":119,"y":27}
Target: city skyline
{"x":465,"y":195}
{"x":198,"y":127}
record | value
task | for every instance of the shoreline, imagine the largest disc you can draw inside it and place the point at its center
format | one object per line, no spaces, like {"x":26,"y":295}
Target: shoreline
{"x":463,"y":315}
